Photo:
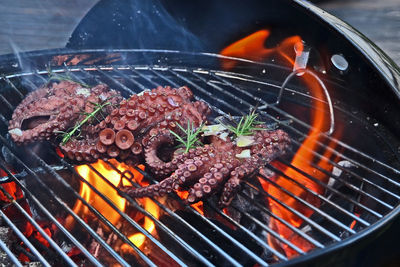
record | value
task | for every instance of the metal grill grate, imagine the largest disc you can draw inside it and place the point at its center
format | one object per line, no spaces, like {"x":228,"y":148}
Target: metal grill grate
{"x":373,"y":180}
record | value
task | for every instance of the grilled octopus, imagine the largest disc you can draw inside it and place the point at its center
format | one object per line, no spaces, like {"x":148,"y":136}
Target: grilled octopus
{"x":137,"y":130}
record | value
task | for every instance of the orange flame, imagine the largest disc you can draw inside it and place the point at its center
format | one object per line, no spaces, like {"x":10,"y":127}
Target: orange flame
{"x":353,"y":223}
{"x":138,"y":238}
{"x":115,"y":178}
{"x":252,"y":48}
{"x":197,"y":206}
{"x":302,"y":160}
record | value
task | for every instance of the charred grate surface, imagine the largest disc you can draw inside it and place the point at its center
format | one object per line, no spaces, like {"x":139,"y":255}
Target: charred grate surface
{"x":363,"y":189}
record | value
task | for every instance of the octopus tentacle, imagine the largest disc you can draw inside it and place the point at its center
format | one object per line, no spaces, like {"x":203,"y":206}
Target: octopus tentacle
{"x":80,"y":150}
{"x":158,"y":166}
{"x":208,"y":183}
{"x":162,"y":188}
{"x":188,"y":172}
{"x":232,"y":186}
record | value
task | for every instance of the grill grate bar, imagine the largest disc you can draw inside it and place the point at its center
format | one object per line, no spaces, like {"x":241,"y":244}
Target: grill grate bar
{"x":15,"y":89}
{"x":284,"y":222}
{"x":121,"y":85}
{"x":326,"y":200}
{"x":39,"y":170}
{"x":305,"y":203}
{"x":143,"y":76}
{"x":29,"y":83}
{"x":36,"y":74}
{"x":209,"y":94}
{"x":298,"y":214}
{"x":341,"y":155}
{"x":358,"y":177}
{"x":271,"y":232}
{"x":4,"y":100}
{"x":36,"y":225}
{"x":24,"y":239}
{"x":333,"y":190}
{"x":61,"y":203}
{"x":10,"y":255}
{"x":261,"y":242}
{"x":3,"y":120}
{"x":230,"y":238}
{"x":118,"y":83}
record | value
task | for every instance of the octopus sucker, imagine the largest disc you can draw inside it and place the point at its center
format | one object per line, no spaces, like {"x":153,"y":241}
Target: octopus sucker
{"x":144,"y":129}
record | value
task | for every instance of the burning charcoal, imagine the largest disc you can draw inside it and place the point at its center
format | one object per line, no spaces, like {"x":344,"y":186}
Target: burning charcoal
{"x":246,"y":204}
{"x":339,"y":184}
{"x":5,"y":237}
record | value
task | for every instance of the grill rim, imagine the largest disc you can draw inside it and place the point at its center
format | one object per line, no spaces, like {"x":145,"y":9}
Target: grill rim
{"x":389,"y":217}
{"x":368,"y":49}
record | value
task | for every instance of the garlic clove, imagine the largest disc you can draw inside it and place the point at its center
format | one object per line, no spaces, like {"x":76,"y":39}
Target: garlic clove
{"x":223,"y":136}
{"x":244,"y":154}
{"x":244,"y":141}
{"x":16,"y":131}
{"x":214,"y":129}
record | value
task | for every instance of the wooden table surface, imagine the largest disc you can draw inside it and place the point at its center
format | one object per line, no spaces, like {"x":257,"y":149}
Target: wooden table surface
{"x":379,"y":20}
{"x":39,"y":24}
{"x":42,"y":24}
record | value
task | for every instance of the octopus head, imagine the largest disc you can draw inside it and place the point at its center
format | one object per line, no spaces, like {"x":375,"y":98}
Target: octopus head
{"x":51,"y":109}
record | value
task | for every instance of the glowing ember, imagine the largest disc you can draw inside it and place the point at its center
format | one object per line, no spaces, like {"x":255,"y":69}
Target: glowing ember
{"x":353,"y":223}
{"x":9,"y":192}
{"x":197,"y":206}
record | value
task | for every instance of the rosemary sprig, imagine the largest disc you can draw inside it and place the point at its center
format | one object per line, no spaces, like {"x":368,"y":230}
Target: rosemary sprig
{"x":190,"y":140}
{"x":67,"y":135}
{"x":246,"y":125}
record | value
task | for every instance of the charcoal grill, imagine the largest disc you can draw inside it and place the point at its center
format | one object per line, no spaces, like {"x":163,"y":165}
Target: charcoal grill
{"x":359,"y":202}
{"x":373,"y":184}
